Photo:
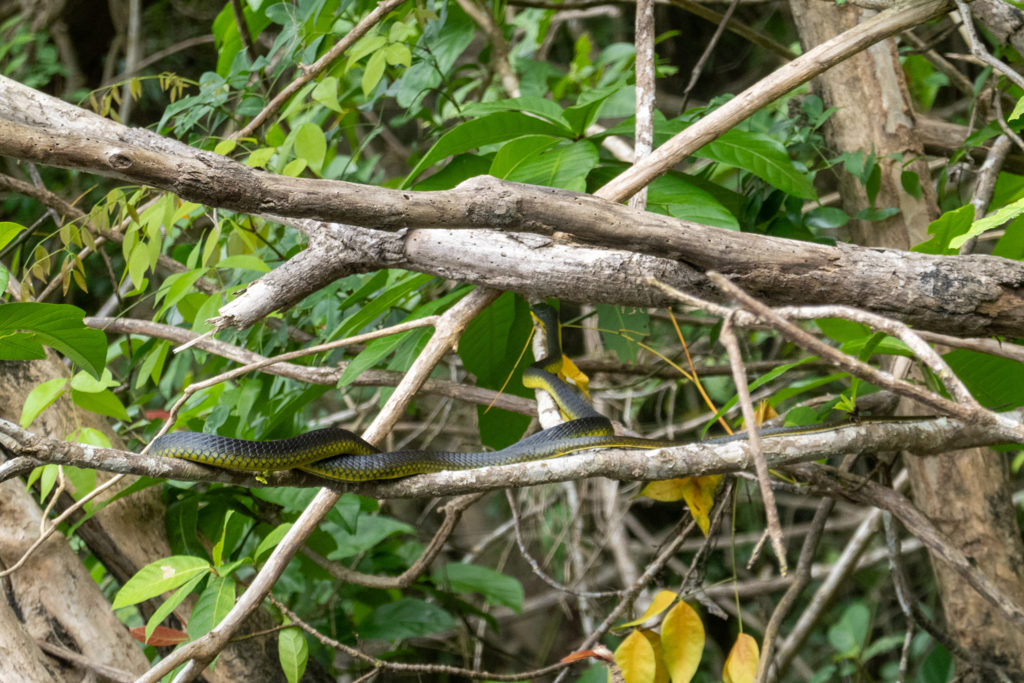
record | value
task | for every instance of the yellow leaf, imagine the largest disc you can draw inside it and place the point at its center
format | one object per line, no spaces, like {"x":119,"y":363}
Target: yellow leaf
{"x":660,"y":670}
{"x":659,"y":604}
{"x":667,"y":491}
{"x":699,"y":494}
{"x":682,"y":642}
{"x":764,"y":412}
{"x":741,"y":665}
{"x":635,"y":656}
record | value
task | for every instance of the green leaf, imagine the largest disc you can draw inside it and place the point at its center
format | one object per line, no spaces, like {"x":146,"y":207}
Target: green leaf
{"x":168,"y":606}
{"x":271,"y":540}
{"x":398,"y":54}
{"x":180,"y":524}
{"x":995,"y":381}
{"x":1006,"y":213}
{"x":514,"y":152}
{"x":326,"y":93}
{"x":8,"y":231}
{"x":564,"y":166}
{"x":41,"y":398}
{"x":589,"y":104}
{"x":847,"y":635}
{"x":945,"y":229}
{"x":873,"y":214}
{"x":370,"y":530}
{"x":497,"y":588}
{"x":26,"y":327}
{"x":159,"y":577}
{"x":83,"y":381}
{"x":373,"y":71}
{"x":103,"y":403}
{"x":842,"y":330}
{"x":677,"y":196}
{"x":486,"y":130}
{"x":293,"y":651}
{"x":826,"y":218}
{"x":492,"y":349}
{"x":213,"y":605}
{"x":244,"y":262}
{"x":311,"y":145}
{"x":763,"y":156}
{"x":405,"y":618}
{"x":530,"y":104}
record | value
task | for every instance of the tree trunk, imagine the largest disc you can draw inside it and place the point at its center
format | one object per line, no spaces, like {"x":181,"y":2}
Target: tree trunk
{"x":966,"y":493}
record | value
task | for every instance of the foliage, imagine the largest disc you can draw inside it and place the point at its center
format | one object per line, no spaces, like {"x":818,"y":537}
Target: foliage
{"x":414,"y":104}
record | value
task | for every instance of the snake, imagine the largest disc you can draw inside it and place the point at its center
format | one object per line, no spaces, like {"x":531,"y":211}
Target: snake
{"x":340,"y":455}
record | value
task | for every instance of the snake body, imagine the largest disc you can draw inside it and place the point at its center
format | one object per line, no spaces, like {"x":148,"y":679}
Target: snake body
{"x":340,"y":455}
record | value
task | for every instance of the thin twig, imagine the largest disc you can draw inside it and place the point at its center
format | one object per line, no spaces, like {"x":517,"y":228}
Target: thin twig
{"x":739,"y":376}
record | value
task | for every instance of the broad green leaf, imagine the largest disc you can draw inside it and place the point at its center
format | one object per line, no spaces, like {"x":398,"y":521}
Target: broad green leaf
{"x":8,"y":231}
{"x":496,"y":587}
{"x":945,"y":229}
{"x":741,"y":664}
{"x":405,"y":618}
{"x":159,"y":577}
{"x":398,"y":54}
{"x":682,"y":642}
{"x":1010,"y":245}
{"x":1018,"y":109}
{"x":849,"y":634}
{"x":982,"y":225}
{"x":83,"y":381}
{"x":293,"y":651}
{"x":180,"y":523}
{"x":373,"y":71}
{"x":311,"y":145}
{"x":270,"y":541}
{"x":538,"y":106}
{"x":514,"y":152}
{"x":244,"y":262}
{"x":168,"y":606}
{"x":843,"y":330}
{"x":677,"y":196}
{"x":636,"y":658}
{"x":763,"y":156}
{"x":138,"y":264}
{"x":589,"y":104}
{"x":494,"y":349}
{"x":497,"y":127}
{"x":995,"y":381}
{"x":104,"y":403}
{"x":26,"y":327}
{"x":260,"y":156}
{"x":564,"y":166}
{"x":826,"y":218}
{"x":326,"y":93}
{"x":659,"y":604}
{"x":213,"y":605}
{"x":370,"y":530}
{"x":41,"y":398}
